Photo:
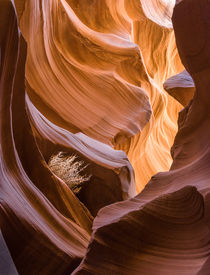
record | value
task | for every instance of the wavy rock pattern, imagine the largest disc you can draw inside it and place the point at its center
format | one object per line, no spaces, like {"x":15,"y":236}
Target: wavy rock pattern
{"x":148,"y":151}
{"x":38,"y":221}
{"x":41,"y":219}
{"x":49,"y":136}
{"x":94,"y":78}
{"x":181,"y":87}
{"x":169,"y":220}
{"x":104,"y":58}
{"x":76,"y":60}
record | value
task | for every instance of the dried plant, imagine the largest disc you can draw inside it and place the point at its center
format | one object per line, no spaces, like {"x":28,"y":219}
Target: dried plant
{"x":69,"y":169}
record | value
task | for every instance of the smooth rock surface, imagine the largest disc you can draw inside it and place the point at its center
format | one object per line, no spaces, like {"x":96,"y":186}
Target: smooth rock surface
{"x":93,"y":82}
{"x":181,"y":87}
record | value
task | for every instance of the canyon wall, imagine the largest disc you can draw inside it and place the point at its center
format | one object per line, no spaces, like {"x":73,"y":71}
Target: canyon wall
{"x":102,"y":79}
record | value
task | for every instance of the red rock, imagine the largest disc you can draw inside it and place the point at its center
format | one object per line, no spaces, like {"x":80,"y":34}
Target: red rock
{"x":181,"y":87}
{"x":43,"y":231}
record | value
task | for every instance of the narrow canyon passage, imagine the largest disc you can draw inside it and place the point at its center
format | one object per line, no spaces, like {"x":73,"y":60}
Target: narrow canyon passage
{"x":104,"y":137}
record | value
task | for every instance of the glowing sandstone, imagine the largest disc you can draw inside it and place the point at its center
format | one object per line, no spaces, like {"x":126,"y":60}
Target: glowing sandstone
{"x":45,"y":226}
{"x":80,"y":53}
{"x":165,"y":229}
{"x":79,"y":67}
{"x":41,"y":219}
{"x":170,"y":219}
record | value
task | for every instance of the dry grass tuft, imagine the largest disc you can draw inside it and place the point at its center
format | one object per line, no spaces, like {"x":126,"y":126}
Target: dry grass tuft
{"x":69,"y":169}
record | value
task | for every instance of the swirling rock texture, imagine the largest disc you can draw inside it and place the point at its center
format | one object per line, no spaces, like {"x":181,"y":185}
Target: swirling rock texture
{"x":181,"y":87}
{"x":37,"y":224}
{"x":104,"y":58}
{"x":169,"y":219}
{"x":86,"y":77}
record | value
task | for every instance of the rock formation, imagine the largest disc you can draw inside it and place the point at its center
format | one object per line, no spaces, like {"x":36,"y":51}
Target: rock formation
{"x":41,"y":219}
{"x":169,"y":219}
{"x":88,"y":78}
{"x":75,"y":60}
{"x":181,"y":87}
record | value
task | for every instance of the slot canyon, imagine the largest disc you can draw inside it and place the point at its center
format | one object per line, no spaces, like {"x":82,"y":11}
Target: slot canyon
{"x":104,"y":137}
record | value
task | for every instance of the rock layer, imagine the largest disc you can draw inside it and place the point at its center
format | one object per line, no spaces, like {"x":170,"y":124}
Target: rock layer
{"x":37,"y":224}
{"x":181,"y":87}
{"x":169,"y":220}
{"x":77,"y":59}
{"x":45,"y":226}
{"x":95,"y":51}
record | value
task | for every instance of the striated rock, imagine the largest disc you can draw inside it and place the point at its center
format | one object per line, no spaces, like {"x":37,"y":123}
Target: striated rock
{"x":181,"y":87}
{"x":45,"y":227}
{"x":94,"y":185}
{"x":76,"y":60}
{"x":103,"y":161}
{"x":159,"y":11}
{"x":148,"y":151}
{"x":170,"y":228}
{"x":96,"y":51}
{"x":169,"y":235}
{"x":94,"y":75}
{"x":169,"y":220}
